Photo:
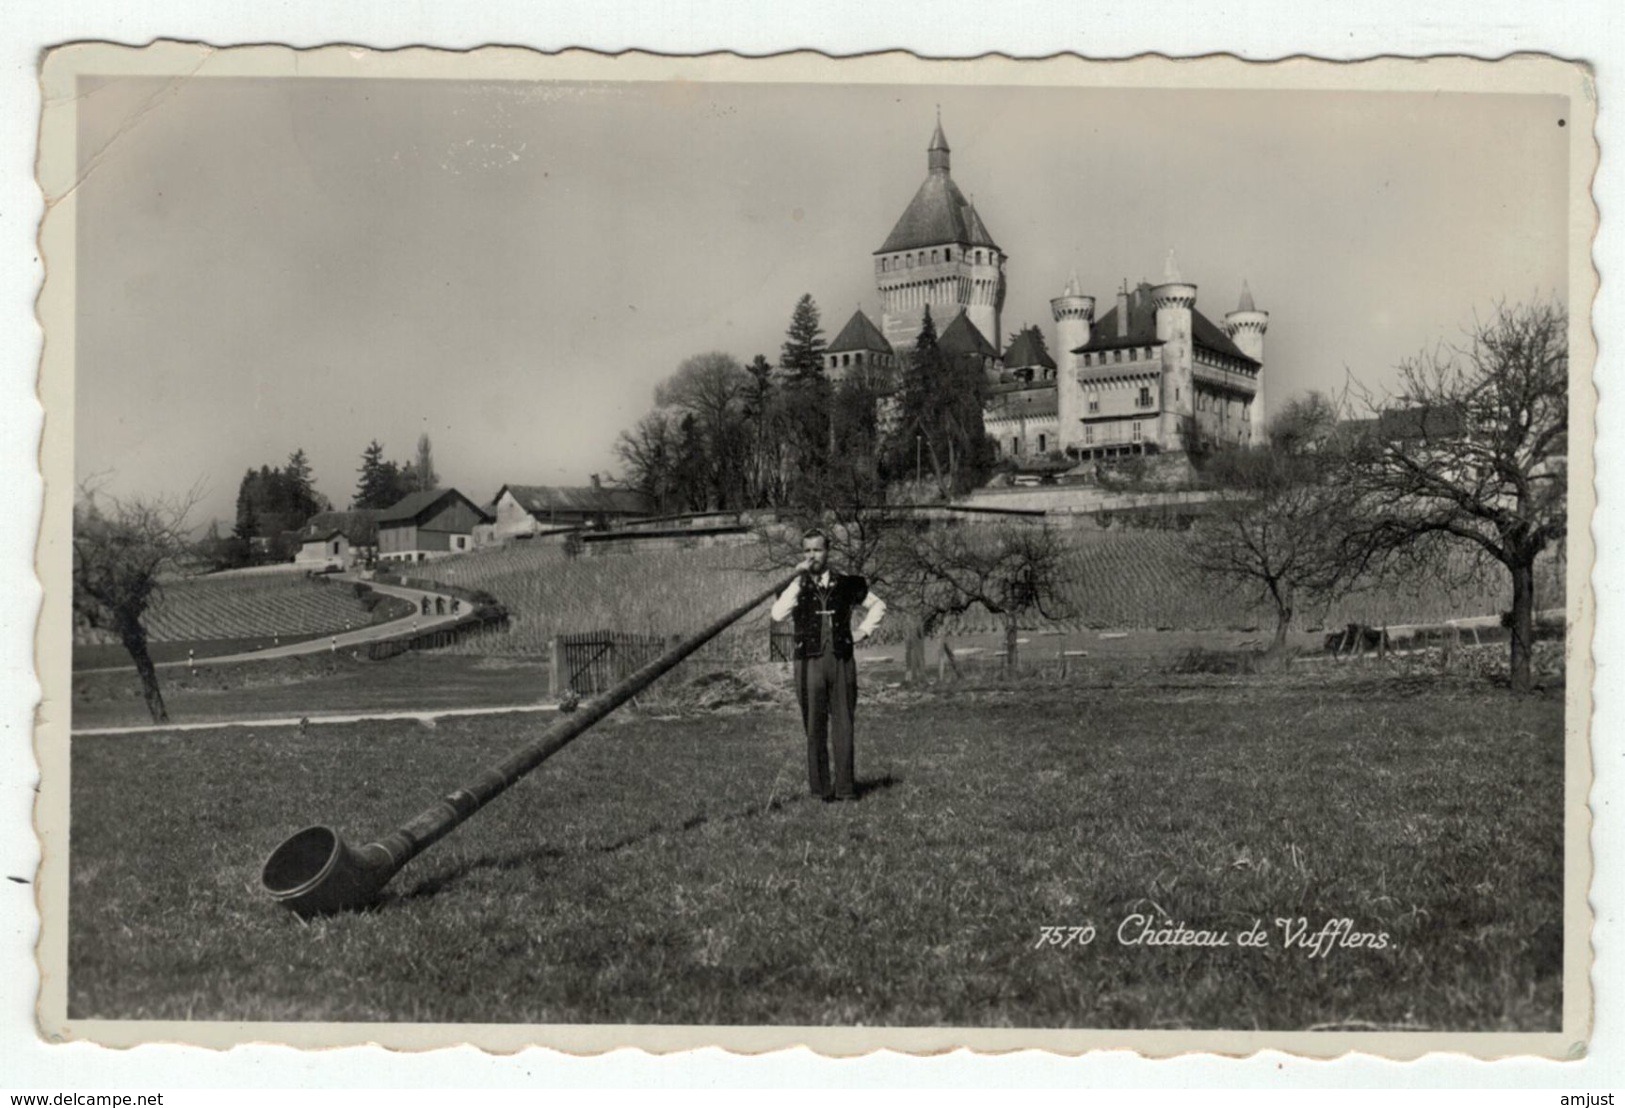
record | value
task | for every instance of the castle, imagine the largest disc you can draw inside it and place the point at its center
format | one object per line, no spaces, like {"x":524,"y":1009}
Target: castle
{"x":1142,"y":379}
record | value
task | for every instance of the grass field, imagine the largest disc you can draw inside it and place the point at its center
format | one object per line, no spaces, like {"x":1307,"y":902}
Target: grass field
{"x":672,"y":870}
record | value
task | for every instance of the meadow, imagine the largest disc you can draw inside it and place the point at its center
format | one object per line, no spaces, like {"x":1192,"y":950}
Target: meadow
{"x":669,"y":868}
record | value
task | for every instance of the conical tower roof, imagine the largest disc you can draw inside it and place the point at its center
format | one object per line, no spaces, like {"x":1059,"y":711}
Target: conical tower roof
{"x":939,"y":214}
{"x":1246,"y":304}
{"x":860,"y":333}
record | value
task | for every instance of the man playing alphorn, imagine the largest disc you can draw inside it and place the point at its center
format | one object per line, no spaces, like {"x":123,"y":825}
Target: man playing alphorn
{"x":821,"y":605}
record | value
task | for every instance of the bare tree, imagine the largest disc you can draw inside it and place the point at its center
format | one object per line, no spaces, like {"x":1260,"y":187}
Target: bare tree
{"x":1014,"y":571}
{"x":648,"y":453}
{"x":1473,"y":451}
{"x":1305,"y":424}
{"x":1278,"y":525}
{"x":121,"y":549}
{"x":714,"y":389}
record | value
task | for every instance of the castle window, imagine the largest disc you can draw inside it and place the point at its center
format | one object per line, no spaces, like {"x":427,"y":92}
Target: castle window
{"x":948,"y":255}
{"x":1015,"y":445}
{"x":1088,"y":434}
{"x":1136,"y":430}
{"x":1042,"y":444}
{"x":846,"y":359}
{"x":1145,"y":396}
{"x":1117,"y":355}
{"x":1176,"y":394}
{"x":1094,"y":402}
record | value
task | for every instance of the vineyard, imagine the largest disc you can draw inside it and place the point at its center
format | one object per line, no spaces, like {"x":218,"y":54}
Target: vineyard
{"x":201,"y":609}
{"x":663,"y":591}
{"x":1121,"y":579}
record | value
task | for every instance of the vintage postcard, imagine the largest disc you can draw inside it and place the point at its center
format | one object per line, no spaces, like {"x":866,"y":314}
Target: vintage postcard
{"x":861,"y":553}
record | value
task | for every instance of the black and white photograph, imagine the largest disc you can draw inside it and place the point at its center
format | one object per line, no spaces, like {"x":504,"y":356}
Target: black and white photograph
{"x":595,"y":551}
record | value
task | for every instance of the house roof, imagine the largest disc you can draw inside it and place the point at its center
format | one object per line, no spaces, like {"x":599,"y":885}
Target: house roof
{"x":961,"y":336}
{"x":356,"y":525}
{"x":1027,"y":349}
{"x":1205,"y":333}
{"x":1142,"y":329}
{"x":414,"y":506}
{"x":1421,"y":423}
{"x":545,"y":499}
{"x":321,"y":536}
{"x":939,"y":214}
{"x":860,"y":333}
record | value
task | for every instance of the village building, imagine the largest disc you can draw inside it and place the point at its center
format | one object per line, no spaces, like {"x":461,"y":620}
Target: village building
{"x":1152,"y":375}
{"x":521,"y":511}
{"x":429,"y":524}
{"x":337,"y":540}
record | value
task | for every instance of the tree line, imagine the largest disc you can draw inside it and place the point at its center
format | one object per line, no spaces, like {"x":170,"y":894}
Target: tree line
{"x":273,"y":504}
{"x":723,"y":436}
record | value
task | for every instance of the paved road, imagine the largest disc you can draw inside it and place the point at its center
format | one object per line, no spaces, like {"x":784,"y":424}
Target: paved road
{"x":343,"y":640}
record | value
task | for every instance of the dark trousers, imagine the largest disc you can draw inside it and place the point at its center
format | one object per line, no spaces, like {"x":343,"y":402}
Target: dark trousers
{"x":827,"y":689}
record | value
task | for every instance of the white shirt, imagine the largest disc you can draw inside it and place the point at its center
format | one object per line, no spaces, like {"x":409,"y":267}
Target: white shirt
{"x":874,"y":608}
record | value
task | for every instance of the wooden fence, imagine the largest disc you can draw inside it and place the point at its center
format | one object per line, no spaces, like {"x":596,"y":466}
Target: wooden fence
{"x":435,"y":638}
{"x":592,"y":661}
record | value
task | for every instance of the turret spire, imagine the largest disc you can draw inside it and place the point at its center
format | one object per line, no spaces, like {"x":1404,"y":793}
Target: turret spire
{"x":1246,"y":304}
{"x":937,"y":152}
{"x":1170,"y":270}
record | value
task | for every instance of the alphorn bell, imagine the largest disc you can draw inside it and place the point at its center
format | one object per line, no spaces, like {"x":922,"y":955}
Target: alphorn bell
{"x":317,"y":871}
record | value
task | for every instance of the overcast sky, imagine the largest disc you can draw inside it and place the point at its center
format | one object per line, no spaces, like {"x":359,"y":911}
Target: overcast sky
{"x":512,"y":267}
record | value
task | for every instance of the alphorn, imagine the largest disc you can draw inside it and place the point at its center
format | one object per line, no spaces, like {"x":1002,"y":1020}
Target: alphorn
{"x":317,"y":871}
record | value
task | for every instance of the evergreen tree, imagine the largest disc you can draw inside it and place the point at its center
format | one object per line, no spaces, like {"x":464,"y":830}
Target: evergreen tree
{"x":802,"y":356}
{"x":300,"y":487}
{"x":921,"y":424}
{"x":381,"y":482}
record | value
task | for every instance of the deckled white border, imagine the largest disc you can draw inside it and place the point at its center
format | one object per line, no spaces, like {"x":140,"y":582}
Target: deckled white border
{"x":1165,"y":1076}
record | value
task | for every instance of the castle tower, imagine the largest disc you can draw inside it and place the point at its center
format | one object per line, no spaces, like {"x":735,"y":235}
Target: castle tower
{"x":1074,"y":316}
{"x":939,"y":255}
{"x":1175,"y":301}
{"x":1246,"y":326}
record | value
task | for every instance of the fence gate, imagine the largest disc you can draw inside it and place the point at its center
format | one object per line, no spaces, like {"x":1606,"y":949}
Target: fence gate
{"x":781,"y":641}
{"x":592,"y":661}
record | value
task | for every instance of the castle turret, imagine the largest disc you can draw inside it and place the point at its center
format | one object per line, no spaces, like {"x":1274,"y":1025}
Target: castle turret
{"x":1074,"y":317}
{"x":1246,"y":326}
{"x":1175,"y":300}
{"x":939,"y":256}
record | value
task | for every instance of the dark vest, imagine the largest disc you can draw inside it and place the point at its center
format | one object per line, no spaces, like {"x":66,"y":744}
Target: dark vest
{"x":845,"y":593}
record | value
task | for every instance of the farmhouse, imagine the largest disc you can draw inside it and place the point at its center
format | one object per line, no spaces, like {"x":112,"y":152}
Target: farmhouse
{"x":428,"y":524}
{"x":321,"y":550}
{"x":337,"y":539}
{"x":523,"y":510}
